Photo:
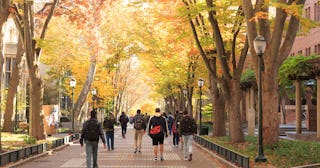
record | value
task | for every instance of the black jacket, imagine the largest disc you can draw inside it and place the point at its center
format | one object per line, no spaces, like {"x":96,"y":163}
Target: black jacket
{"x":187,"y":126}
{"x":84,"y":128}
{"x":158,"y":120}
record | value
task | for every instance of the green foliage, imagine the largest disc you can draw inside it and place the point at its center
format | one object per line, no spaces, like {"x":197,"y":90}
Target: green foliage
{"x":294,"y":66}
{"x":248,"y":75}
{"x":285,"y":153}
{"x":29,"y":140}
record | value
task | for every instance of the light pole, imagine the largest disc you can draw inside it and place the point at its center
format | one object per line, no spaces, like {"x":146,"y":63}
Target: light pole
{"x":185,"y":92}
{"x":200,"y":84}
{"x":93,"y":92}
{"x":73,"y":83}
{"x":259,"y":46}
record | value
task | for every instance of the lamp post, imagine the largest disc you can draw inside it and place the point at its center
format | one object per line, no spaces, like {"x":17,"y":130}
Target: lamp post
{"x":73,"y":83}
{"x":93,"y":92}
{"x":259,"y":46}
{"x":185,"y":92}
{"x":200,"y":84}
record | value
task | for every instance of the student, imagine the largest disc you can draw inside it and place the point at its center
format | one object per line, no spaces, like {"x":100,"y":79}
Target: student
{"x":108,"y":125}
{"x":187,"y":129}
{"x":139,"y":126}
{"x":91,"y":131}
{"x":123,"y":119}
{"x":157,"y":130}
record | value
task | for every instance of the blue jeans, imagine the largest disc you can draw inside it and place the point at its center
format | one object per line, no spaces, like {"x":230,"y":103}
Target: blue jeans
{"x":175,"y":139}
{"x":110,"y":140}
{"x":187,"y":145}
{"x":124,"y":129}
{"x":92,"y":150}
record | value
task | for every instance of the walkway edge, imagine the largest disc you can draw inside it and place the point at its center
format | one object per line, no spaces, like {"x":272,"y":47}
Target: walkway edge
{"x":224,"y":161}
{"x":13,"y":165}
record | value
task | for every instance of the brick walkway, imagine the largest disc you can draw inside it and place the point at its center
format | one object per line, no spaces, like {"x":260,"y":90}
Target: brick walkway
{"x":73,"y":156}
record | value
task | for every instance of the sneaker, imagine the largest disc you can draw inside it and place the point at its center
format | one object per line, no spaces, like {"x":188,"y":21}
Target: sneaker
{"x":135,"y":151}
{"x":139,"y":151}
{"x":155,"y":159}
{"x":185,"y":158}
{"x":190,"y":157}
{"x":161,"y":158}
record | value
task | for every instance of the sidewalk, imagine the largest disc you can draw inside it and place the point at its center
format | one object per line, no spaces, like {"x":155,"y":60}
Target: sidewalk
{"x":73,"y":156}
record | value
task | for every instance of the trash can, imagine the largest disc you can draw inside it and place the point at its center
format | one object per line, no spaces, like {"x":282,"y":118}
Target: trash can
{"x":204,"y":130}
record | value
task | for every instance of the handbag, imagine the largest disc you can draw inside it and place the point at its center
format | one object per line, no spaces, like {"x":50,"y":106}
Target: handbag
{"x":155,"y":130}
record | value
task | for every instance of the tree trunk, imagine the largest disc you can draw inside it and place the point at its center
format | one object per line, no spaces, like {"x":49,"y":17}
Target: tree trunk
{"x":218,"y":103}
{"x":270,"y":108}
{"x":12,"y":90}
{"x":85,"y":90}
{"x":233,"y":109}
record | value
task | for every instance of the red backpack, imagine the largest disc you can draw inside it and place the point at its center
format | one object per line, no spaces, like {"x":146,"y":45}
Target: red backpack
{"x":174,"y":128}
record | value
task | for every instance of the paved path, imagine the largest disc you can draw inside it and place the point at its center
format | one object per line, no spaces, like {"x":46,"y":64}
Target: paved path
{"x":73,"y":156}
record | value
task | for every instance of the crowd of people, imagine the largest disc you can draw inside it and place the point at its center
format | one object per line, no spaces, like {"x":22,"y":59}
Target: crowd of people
{"x":180,"y":125}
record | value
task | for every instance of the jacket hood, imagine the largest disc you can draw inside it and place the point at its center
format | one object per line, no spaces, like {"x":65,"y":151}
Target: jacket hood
{"x":157,"y":114}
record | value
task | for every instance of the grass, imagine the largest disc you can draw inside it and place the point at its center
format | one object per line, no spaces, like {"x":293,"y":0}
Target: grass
{"x":283,"y":154}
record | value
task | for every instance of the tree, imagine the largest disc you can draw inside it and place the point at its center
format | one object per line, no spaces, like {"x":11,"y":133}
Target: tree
{"x":279,"y":32}
{"x":223,"y":51}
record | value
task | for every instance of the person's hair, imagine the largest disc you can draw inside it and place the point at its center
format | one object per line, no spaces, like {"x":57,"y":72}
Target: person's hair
{"x":122,"y":112}
{"x":93,"y":114}
{"x":185,"y":112}
{"x":138,"y":111}
{"x":157,"y":109}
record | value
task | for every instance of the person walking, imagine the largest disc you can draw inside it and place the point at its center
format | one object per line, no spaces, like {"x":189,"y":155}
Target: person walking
{"x":108,"y":125}
{"x":123,"y":119}
{"x":170,"y":122}
{"x":157,"y":130}
{"x":187,"y":129}
{"x":139,"y":126}
{"x":175,"y":133}
{"x":90,"y":133}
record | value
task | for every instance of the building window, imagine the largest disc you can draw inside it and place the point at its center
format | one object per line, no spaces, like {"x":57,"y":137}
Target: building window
{"x":307,"y":12}
{"x":10,"y":61}
{"x":317,"y":11}
{"x":308,"y":51}
{"x":317,"y":49}
{"x":300,"y":52}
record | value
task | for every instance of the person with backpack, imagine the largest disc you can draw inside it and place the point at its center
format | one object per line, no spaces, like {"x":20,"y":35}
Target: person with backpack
{"x":175,"y":134}
{"x":187,"y":129}
{"x":108,"y":125}
{"x":170,"y":122}
{"x":90,"y":133}
{"x":139,"y":126}
{"x":157,"y":130}
{"x":123,"y":119}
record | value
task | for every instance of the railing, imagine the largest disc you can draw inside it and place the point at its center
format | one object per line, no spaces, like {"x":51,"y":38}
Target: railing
{"x":228,"y":154}
{"x":16,"y":155}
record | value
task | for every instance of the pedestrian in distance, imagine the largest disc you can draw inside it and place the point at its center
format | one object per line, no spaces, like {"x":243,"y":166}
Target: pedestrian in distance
{"x":157,"y":130}
{"x":108,"y":125}
{"x":139,"y":126}
{"x":90,"y":133}
{"x":187,"y":129}
{"x":123,"y":119}
{"x":175,"y":133}
{"x":170,"y":122}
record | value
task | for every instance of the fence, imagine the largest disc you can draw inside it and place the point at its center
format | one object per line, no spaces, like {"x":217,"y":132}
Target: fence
{"x":228,"y":154}
{"x":16,"y":155}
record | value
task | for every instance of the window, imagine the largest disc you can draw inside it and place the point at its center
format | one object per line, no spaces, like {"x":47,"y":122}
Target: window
{"x":307,"y":12}
{"x":317,"y":49}
{"x":308,"y":51}
{"x":317,"y":11}
{"x":300,"y":52}
{"x":9,"y":67}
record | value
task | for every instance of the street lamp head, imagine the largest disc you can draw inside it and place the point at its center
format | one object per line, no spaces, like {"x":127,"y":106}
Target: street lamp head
{"x":94,"y":91}
{"x":73,"y":82}
{"x":259,"y":44}
{"x":200,"y":82}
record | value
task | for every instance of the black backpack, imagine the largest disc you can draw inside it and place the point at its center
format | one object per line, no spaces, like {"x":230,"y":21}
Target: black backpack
{"x":92,"y":130}
{"x":107,"y":124}
{"x":189,"y":125}
{"x":139,"y":123}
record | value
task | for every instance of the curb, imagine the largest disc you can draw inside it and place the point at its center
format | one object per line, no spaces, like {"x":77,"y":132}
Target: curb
{"x":48,"y":152}
{"x":222,"y":160}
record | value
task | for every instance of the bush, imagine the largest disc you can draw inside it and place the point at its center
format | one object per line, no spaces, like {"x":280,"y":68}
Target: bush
{"x":29,"y":140}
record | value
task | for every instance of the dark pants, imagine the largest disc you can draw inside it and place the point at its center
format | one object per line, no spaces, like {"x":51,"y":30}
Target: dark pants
{"x":92,"y":151}
{"x":110,"y":140}
{"x":175,"y":139}
{"x":124,"y":129}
